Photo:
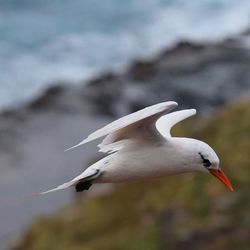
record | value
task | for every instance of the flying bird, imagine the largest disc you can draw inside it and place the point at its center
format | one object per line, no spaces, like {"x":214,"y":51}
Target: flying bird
{"x":140,"y":146}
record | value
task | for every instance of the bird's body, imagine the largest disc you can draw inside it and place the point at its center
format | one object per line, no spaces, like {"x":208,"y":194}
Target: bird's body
{"x":135,"y":163}
{"x":140,"y":161}
{"x":139,"y":146}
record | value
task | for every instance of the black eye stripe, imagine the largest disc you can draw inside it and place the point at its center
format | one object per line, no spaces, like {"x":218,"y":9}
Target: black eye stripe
{"x":206,"y":162}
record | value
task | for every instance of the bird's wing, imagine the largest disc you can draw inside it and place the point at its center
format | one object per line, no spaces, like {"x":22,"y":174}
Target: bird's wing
{"x":154,"y":128}
{"x":138,"y":124}
{"x":165,"y":123}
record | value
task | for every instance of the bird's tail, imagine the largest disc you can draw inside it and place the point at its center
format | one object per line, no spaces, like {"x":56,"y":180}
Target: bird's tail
{"x":87,"y":175}
{"x":60,"y":187}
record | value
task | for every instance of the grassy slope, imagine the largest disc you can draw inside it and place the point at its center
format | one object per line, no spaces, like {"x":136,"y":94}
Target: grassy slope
{"x":184,"y":212}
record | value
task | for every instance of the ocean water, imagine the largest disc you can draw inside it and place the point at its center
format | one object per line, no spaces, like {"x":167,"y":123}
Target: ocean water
{"x":42,"y":42}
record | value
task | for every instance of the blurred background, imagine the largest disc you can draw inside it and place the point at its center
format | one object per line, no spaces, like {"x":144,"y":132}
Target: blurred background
{"x":69,"y":67}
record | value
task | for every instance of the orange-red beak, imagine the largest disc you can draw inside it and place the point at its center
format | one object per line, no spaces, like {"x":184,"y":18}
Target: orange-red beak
{"x":218,"y":173}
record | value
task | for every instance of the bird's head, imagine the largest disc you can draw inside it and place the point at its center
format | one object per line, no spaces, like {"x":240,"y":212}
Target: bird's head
{"x":208,"y":160}
{"x":199,"y":156}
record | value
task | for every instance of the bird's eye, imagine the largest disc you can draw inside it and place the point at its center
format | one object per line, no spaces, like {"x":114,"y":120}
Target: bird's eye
{"x":206,"y":162}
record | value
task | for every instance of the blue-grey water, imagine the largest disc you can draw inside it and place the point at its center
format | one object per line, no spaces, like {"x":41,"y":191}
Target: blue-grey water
{"x":46,"y":41}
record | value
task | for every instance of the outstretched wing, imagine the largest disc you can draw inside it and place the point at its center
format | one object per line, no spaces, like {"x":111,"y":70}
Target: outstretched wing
{"x":165,"y":123}
{"x":140,"y":124}
{"x":147,"y":125}
{"x":151,"y":129}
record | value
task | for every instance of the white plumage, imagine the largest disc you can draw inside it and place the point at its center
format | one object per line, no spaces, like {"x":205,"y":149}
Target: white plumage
{"x":140,"y":146}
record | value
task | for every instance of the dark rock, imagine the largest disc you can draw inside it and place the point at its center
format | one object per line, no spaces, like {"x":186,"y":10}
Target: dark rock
{"x":102,"y":79}
{"x":181,"y":48}
{"x":48,"y":99}
{"x":203,"y":76}
{"x":142,"y":70}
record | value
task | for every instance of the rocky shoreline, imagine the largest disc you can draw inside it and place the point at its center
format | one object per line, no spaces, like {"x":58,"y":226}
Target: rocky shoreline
{"x":205,"y":76}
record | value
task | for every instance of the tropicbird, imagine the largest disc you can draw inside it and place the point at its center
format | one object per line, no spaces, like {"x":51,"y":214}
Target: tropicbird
{"x":140,"y":146}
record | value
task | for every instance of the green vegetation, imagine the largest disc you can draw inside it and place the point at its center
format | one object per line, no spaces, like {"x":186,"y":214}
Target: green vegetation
{"x":192,"y":211}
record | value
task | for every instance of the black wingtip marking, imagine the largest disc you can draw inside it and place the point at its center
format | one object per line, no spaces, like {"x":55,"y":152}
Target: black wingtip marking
{"x":84,"y":185}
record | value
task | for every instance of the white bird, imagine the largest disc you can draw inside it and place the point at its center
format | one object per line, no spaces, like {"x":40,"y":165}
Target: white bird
{"x":140,"y":146}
